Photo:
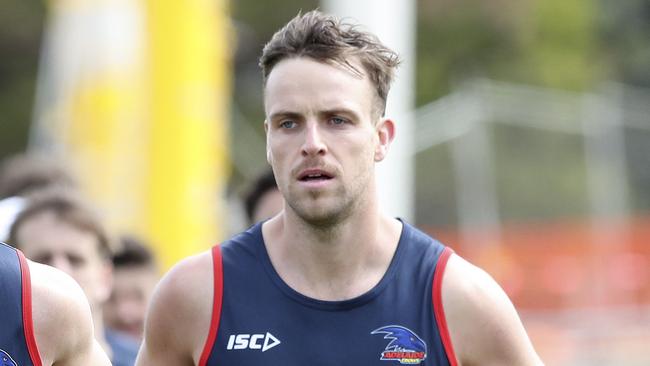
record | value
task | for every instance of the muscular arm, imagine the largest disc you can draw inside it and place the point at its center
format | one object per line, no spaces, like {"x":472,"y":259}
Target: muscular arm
{"x":63,"y":326}
{"x":178,"y":319}
{"x":483,"y":324}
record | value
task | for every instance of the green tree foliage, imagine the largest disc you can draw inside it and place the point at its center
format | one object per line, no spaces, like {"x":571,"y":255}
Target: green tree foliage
{"x":624,"y":40}
{"x":21,"y":23}
{"x":544,"y":42}
{"x":559,"y":44}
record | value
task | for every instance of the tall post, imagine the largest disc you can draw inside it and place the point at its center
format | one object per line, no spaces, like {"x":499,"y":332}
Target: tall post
{"x":476,"y":197}
{"x":394,"y":23}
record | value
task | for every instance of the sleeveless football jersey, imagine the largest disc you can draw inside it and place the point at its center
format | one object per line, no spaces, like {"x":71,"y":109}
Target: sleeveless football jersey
{"x":17,"y":343}
{"x":257,"y":319}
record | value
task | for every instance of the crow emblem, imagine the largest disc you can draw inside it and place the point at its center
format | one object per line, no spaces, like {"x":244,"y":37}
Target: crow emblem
{"x":6,"y":360}
{"x":404,"y":346}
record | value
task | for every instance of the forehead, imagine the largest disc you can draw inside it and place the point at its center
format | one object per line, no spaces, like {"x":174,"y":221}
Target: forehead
{"x":46,"y":231}
{"x":301,"y":82}
{"x":134,"y":276}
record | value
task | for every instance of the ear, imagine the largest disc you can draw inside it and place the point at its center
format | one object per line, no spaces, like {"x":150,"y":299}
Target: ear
{"x":268,"y":150}
{"x":385,"y":135}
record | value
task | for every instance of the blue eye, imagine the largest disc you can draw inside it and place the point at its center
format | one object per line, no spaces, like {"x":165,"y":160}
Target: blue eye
{"x":337,"y":120}
{"x":288,"y":124}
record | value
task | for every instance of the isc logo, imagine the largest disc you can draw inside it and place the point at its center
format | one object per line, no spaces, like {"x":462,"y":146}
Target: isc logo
{"x":252,"y":341}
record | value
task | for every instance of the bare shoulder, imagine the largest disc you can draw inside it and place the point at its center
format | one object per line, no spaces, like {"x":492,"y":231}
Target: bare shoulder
{"x":178,"y":318}
{"x":61,"y":316}
{"x":184,"y":289}
{"x":57,"y":291}
{"x":483,"y":324}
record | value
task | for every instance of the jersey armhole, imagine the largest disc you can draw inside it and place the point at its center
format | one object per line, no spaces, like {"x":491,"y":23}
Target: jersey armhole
{"x":28,"y":323}
{"x":438,"y":309}
{"x":217,"y":273}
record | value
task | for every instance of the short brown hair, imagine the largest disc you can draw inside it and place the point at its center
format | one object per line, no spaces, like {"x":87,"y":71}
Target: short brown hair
{"x":24,"y":173}
{"x":67,"y":206}
{"x":133,"y":253}
{"x":264,"y":183}
{"x":326,"y":38}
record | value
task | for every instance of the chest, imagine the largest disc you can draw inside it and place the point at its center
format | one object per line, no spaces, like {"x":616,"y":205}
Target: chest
{"x":263,"y":323}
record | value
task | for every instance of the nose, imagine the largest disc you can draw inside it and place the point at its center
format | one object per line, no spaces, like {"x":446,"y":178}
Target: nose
{"x":61,"y":263}
{"x":314,"y":144}
{"x":129,"y":310}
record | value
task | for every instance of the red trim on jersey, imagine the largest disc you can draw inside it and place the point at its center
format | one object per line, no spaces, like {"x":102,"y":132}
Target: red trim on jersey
{"x":437,"y":305}
{"x":28,"y":324}
{"x":217,"y":272}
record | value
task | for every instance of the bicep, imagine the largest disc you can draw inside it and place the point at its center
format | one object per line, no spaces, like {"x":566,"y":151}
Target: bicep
{"x":92,"y":355}
{"x":483,"y":324}
{"x":154,"y":356}
{"x":62,"y":320}
{"x":177,"y":320}
{"x":98,"y":356}
{"x":161,"y":345}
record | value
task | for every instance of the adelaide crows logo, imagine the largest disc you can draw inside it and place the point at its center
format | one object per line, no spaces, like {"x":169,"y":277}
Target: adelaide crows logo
{"x":6,"y":360}
{"x":405,"y":346}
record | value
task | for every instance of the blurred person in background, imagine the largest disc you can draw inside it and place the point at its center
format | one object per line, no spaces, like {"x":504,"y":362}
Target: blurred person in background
{"x":330,"y":280}
{"x":135,"y":275}
{"x":22,"y":174}
{"x":45,"y":316}
{"x":263,"y":200}
{"x":58,"y":228}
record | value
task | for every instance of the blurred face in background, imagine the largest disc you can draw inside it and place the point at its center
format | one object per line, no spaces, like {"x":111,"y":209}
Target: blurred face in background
{"x":268,"y":205}
{"x":44,"y":238}
{"x":127,"y":305}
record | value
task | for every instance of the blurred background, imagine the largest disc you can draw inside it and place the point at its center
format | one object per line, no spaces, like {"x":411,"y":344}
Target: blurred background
{"x":525,"y":129}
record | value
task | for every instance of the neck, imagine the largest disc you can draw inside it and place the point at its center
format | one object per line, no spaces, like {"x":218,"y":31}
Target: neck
{"x":334,"y":262}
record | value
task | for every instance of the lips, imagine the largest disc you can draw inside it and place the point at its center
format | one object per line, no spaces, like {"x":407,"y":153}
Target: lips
{"x":309,"y":175}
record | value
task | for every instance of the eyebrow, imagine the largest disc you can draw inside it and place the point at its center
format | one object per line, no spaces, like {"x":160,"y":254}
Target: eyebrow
{"x":284,"y":114}
{"x":344,"y":111}
{"x":328,"y":112}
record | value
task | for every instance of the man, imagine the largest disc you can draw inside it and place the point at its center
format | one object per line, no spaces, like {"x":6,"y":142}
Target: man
{"x":57,"y":228}
{"x":331,"y":280}
{"x":44,"y":315}
{"x":263,"y":200}
{"x":135,"y":275}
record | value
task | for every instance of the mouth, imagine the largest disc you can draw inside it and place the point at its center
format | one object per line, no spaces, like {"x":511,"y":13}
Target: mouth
{"x":314,"y":175}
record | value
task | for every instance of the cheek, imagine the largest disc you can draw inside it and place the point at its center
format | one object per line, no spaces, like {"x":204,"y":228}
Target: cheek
{"x":273,"y":150}
{"x":280,"y":156}
{"x":366,"y":150}
{"x":359,"y":159}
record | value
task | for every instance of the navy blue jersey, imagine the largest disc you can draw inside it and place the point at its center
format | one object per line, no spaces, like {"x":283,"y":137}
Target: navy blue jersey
{"x":258,"y":319}
{"x":17,"y":343}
